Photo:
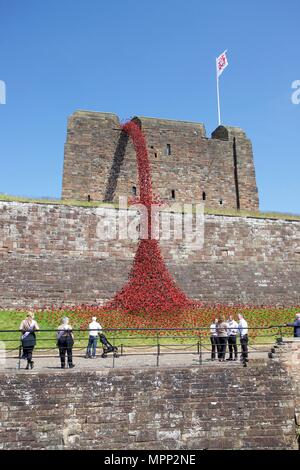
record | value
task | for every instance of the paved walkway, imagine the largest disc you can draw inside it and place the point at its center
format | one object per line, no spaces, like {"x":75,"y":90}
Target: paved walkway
{"x":49,"y":361}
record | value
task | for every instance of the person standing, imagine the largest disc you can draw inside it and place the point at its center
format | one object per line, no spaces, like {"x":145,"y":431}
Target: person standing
{"x":243,"y":331}
{"x":94,"y":329}
{"x":221,"y":328}
{"x":214,"y":339}
{"x":65,"y":342}
{"x":232,"y":334}
{"x":28,"y":327}
{"x":296,"y":325}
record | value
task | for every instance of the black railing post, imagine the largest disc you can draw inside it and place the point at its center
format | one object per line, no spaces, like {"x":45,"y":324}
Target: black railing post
{"x":200,"y":351}
{"x":158,"y":350}
{"x":20,"y":353}
{"x":280,"y":334}
{"x":113,"y":352}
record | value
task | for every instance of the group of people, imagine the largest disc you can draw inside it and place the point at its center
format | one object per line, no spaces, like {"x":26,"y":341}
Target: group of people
{"x":223,"y":333}
{"x":64,"y":340}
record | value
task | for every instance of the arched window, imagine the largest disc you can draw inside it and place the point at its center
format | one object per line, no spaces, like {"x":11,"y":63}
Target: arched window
{"x":204,"y":196}
{"x":173,"y":193}
{"x":89,"y":198}
{"x":133,"y":190}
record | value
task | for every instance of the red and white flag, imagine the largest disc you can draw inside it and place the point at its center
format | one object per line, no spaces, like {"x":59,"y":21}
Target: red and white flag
{"x":222,"y":63}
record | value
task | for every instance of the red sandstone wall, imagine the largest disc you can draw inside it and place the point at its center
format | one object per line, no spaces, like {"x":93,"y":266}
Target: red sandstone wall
{"x":53,"y":254}
{"x":170,"y":408}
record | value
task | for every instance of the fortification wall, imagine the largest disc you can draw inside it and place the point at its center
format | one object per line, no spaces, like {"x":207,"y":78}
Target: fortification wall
{"x":171,"y":408}
{"x":52,"y":254}
{"x":100,"y":161}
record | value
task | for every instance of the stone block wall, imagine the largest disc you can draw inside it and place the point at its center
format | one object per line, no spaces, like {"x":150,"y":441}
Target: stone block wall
{"x":100,"y":162}
{"x":288,"y":354}
{"x":177,"y":408}
{"x":53,"y":254}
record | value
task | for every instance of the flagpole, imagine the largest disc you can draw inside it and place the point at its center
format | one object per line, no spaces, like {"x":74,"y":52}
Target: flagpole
{"x":218,"y":93}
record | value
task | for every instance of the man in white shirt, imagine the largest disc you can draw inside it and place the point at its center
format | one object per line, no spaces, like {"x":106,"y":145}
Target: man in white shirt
{"x":243,"y":331}
{"x":214,"y":339}
{"x":232,"y":326}
{"x":94,"y":328}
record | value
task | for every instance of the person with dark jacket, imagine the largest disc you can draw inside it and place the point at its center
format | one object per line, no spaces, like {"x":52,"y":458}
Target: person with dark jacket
{"x":28,"y":328}
{"x":296,"y":325}
{"x":65,"y":342}
{"x":221,"y":328}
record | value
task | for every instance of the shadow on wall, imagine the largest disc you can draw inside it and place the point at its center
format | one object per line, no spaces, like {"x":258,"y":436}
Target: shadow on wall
{"x":116,"y":167}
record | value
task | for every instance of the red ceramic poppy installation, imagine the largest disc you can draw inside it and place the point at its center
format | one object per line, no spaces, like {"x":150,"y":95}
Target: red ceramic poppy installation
{"x":150,"y":287}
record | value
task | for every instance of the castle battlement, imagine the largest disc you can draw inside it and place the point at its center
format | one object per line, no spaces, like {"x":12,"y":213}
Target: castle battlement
{"x":100,"y":162}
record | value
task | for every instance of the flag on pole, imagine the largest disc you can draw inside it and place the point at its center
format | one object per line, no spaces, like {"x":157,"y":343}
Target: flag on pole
{"x":222,"y":63}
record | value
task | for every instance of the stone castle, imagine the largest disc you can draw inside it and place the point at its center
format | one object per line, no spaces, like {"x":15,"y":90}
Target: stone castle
{"x":51,"y":253}
{"x":100,"y":162}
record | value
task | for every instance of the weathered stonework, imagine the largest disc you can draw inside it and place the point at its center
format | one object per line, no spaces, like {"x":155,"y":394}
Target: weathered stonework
{"x":100,"y":162}
{"x":52,"y":254}
{"x":169,"y":408}
{"x":288,"y":354}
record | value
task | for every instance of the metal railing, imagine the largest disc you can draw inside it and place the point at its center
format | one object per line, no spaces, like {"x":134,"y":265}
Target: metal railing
{"x":143,"y":342}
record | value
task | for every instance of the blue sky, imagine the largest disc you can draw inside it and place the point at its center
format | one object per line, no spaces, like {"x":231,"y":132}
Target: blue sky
{"x":153,"y":58}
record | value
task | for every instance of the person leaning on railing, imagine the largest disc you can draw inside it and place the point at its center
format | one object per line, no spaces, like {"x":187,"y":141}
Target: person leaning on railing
{"x":221,"y":328}
{"x":65,"y":342}
{"x":94,"y":329}
{"x":295,"y":325}
{"x":28,"y":327}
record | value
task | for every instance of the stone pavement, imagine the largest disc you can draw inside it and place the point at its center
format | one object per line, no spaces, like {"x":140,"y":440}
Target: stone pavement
{"x":135,"y":359}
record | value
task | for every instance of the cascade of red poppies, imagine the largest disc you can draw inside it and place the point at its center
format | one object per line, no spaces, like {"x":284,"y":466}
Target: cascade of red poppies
{"x":150,"y":286}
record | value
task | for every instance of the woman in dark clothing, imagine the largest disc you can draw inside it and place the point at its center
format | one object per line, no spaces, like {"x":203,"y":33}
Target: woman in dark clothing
{"x":221,"y":329}
{"x":65,"y":342}
{"x":28,"y":328}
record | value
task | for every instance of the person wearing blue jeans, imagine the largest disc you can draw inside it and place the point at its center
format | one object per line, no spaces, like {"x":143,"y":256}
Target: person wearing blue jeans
{"x":91,"y":347}
{"x":94,"y":329}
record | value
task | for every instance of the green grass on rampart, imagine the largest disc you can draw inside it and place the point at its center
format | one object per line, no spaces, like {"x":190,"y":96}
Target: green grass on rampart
{"x":46,"y":340}
{"x":207,"y":210}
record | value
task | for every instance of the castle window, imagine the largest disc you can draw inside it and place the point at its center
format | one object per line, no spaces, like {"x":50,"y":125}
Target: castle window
{"x":168,"y":150}
{"x":173,"y":193}
{"x":204,"y":196}
{"x":89,"y":198}
{"x":155,"y":154}
{"x":133,"y":190}
{"x":221,"y":201}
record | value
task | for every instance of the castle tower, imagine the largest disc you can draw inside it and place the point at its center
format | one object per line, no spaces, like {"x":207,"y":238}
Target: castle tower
{"x":100,"y":162}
